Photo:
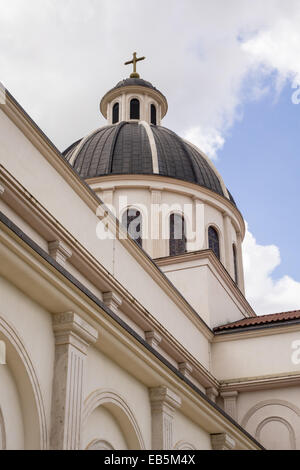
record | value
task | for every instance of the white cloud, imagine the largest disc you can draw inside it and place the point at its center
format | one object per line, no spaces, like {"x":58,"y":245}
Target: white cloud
{"x":266,"y":294}
{"x":208,"y":140}
{"x":65,"y":54}
{"x":59,"y":57}
{"x":278,"y":49}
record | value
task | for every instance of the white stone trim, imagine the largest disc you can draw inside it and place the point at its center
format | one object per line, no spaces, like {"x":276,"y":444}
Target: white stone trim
{"x":164,"y":403}
{"x":222,"y":442}
{"x":152,"y":146}
{"x":119,"y":407}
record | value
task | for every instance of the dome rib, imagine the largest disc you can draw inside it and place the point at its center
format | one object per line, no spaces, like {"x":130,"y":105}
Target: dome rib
{"x":125,"y":148}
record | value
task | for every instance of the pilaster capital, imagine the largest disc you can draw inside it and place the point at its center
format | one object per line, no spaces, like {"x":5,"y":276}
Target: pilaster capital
{"x":70,"y":328}
{"x":164,"y":399}
{"x":229,"y":394}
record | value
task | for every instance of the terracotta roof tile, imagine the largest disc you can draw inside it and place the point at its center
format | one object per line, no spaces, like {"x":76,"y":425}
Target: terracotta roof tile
{"x":261,"y":320}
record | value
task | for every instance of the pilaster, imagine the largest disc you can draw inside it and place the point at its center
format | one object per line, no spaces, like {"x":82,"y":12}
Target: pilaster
{"x":164,"y":403}
{"x":230,"y":403}
{"x":73,"y":335}
{"x":228,"y":245}
{"x":240,"y":262}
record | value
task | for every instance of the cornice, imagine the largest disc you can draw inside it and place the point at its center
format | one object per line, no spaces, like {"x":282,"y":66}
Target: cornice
{"x":261,"y":383}
{"x":256,"y":332}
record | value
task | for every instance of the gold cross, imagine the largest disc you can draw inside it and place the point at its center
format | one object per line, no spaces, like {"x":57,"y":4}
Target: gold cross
{"x":134,"y":61}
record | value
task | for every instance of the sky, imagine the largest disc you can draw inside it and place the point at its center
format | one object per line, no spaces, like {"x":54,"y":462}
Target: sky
{"x":231,"y":73}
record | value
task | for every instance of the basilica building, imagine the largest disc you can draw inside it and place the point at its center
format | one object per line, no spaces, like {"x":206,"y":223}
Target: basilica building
{"x":123,"y":317}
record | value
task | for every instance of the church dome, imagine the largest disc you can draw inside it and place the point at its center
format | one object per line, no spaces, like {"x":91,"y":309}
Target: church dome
{"x":139,"y":148}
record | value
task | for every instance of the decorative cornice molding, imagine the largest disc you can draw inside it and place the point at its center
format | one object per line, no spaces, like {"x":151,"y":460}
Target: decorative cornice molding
{"x":133,"y":89}
{"x":256,"y":332}
{"x":112,"y":301}
{"x":153,"y":338}
{"x":222,"y":442}
{"x":59,"y":251}
{"x":261,"y":383}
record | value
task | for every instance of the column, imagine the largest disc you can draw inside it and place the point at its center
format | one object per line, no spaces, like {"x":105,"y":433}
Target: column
{"x":73,"y":335}
{"x":228,"y":245}
{"x":240,"y":262}
{"x":123,"y":116}
{"x":164,"y":403}
{"x":155,"y":225}
{"x":230,"y":403}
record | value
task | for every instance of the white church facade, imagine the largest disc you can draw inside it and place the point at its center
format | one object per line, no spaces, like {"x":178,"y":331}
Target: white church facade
{"x":139,"y":341}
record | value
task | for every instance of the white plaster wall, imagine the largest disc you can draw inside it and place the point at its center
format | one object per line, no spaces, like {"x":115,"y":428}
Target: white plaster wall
{"x":253,"y":357}
{"x":34,"y":328}
{"x":275,"y":408}
{"x":185,"y":431}
{"x":15,"y":154}
{"x":205,"y":291}
{"x":11,"y":410}
{"x":102,"y":426}
{"x":105,"y":374}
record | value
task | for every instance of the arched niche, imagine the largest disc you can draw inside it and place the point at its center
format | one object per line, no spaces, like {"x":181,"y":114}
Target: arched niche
{"x":275,"y":432}
{"x":183,"y":445}
{"x":99,"y":444}
{"x":120,"y":410}
{"x":2,"y":432}
{"x":31,"y":402}
{"x":274,"y":423}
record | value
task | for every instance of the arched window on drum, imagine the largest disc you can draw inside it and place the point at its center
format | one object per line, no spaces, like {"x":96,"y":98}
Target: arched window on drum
{"x":116,"y":111}
{"x":235,"y":264}
{"x":153,"y":115}
{"x":133,"y":221}
{"x":213,"y":241}
{"x":177,"y":235}
{"x":134,"y":109}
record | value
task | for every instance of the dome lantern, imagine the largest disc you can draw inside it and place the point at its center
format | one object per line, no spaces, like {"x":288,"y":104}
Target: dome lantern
{"x":134,"y":99}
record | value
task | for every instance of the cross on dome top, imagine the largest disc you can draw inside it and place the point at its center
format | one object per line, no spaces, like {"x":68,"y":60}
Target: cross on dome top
{"x":134,"y":61}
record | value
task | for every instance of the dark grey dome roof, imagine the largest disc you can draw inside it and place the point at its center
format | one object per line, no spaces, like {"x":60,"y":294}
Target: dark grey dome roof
{"x":134,"y":82}
{"x":125,"y":149}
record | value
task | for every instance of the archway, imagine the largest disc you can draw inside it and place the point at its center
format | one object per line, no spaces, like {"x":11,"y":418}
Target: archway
{"x":31,"y":401}
{"x":117,"y":406}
